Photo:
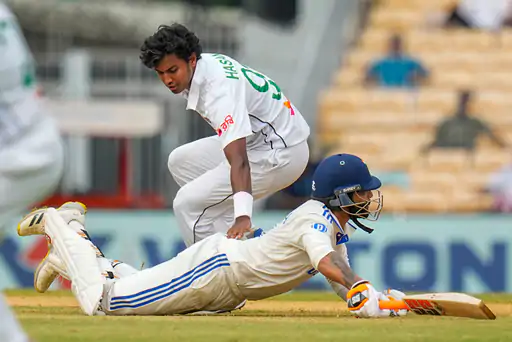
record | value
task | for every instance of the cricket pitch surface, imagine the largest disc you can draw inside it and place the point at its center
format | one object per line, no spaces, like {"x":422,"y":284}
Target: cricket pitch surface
{"x":296,"y":316}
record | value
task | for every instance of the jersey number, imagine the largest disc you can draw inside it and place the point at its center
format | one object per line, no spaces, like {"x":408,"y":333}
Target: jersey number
{"x":261,"y":83}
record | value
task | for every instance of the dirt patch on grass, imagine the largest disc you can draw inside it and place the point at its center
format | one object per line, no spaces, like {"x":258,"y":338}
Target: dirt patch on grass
{"x":42,"y":300}
{"x":313,"y":306}
{"x":500,"y":309}
{"x":264,"y":305}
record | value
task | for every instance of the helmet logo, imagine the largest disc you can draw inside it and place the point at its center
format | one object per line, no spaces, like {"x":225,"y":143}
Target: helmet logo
{"x":313,"y":186}
{"x":342,"y":162}
{"x":352,"y":188}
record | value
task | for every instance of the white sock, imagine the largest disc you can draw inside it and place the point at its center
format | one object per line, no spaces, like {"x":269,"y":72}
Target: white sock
{"x":122,"y":269}
{"x":10,"y":329}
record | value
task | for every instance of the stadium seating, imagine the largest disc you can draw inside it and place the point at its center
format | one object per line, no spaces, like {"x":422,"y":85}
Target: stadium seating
{"x":389,"y":128}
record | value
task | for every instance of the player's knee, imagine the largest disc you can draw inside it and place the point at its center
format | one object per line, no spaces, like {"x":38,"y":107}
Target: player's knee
{"x":183,"y":200}
{"x":175,"y":159}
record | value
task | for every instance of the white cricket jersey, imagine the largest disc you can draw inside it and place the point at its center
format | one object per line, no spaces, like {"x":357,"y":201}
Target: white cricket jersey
{"x":18,"y":104}
{"x":289,"y":254}
{"x":239,"y":102}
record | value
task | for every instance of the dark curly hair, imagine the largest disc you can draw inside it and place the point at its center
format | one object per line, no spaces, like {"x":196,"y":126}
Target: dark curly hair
{"x":175,"y":39}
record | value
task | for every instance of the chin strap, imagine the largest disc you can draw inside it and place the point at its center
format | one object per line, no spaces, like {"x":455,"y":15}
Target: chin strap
{"x":360,"y":225}
{"x":329,"y":204}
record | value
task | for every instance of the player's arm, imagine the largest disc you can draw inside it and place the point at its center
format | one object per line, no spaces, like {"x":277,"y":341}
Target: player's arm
{"x":339,"y":289}
{"x":236,"y":154}
{"x":362,"y":298}
{"x":229,"y":115}
{"x":316,"y":241}
{"x":335,"y":268}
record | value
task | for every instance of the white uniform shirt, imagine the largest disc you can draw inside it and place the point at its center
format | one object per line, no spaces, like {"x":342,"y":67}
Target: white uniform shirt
{"x":289,"y":254}
{"x":485,"y":14}
{"x":18,"y":106}
{"x":239,"y":102}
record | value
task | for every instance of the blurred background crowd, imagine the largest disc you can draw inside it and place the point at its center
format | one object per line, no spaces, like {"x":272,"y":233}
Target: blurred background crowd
{"x":419,"y":89}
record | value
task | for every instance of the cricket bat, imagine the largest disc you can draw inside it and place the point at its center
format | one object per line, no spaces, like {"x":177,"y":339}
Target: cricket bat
{"x":442,"y":304}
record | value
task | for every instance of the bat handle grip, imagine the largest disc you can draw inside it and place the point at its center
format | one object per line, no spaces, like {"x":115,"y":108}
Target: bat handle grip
{"x":392,"y":305}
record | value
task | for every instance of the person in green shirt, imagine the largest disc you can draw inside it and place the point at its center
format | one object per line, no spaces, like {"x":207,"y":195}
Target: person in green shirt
{"x":462,"y":130}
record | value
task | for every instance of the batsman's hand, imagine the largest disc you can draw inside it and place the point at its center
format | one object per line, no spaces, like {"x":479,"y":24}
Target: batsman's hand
{"x":363,"y":301}
{"x":392,"y":294}
{"x":242,"y":226}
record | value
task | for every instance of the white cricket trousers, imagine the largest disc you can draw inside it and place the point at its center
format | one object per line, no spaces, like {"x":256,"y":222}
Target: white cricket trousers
{"x":204,"y":204}
{"x":198,"y":279}
{"x":30,"y":168}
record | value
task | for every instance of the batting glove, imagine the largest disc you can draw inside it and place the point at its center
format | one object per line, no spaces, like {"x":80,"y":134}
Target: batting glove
{"x":393,"y":294}
{"x":363,"y":301}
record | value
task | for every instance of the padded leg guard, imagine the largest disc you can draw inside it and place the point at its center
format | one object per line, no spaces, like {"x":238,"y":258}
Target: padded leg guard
{"x":79,"y":258}
{"x":49,"y":268}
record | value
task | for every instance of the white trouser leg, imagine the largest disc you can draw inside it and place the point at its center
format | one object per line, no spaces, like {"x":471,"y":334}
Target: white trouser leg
{"x":189,"y":161}
{"x":197,"y":279}
{"x":79,"y":257}
{"x":10,"y":330}
{"x":204,"y":206}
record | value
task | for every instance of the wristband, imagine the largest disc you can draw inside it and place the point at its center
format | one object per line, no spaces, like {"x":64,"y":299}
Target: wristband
{"x":359,"y":282}
{"x":242,"y":202}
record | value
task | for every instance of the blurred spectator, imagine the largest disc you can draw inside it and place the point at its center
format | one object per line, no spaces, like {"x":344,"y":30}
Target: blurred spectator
{"x":500,"y":187}
{"x":462,"y":130}
{"x":481,"y":14}
{"x":397,"y":69}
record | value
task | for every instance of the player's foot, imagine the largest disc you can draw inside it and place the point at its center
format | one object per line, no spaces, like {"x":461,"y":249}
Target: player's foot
{"x":48,"y":270}
{"x":33,"y":223}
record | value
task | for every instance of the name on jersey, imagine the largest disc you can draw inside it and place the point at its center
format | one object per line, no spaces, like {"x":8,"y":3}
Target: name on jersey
{"x":228,"y":121}
{"x":229,"y":69}
{"x":320,"y":227}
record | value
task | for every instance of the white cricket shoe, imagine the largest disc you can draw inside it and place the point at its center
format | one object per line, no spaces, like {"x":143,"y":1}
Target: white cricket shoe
{"x":34,"y":223}
{"x":48,"y":270}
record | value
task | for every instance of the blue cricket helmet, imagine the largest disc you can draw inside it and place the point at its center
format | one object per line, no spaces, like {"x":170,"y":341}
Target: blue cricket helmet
{"x":336,"y":181}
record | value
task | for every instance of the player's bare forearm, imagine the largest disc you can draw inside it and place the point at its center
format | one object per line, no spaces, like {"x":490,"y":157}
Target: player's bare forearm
{"x":236,"y":154}
{"x":241,"y":176}
{"x":335,"y":268}
{"x":340,"y":290}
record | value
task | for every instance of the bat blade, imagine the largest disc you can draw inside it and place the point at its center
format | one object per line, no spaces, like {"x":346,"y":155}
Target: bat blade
{"x":442,"y":304}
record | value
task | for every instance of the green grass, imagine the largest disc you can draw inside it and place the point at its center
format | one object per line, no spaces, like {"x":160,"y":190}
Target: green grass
{"x":71,"y":328}
{"x":68,"y":324}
